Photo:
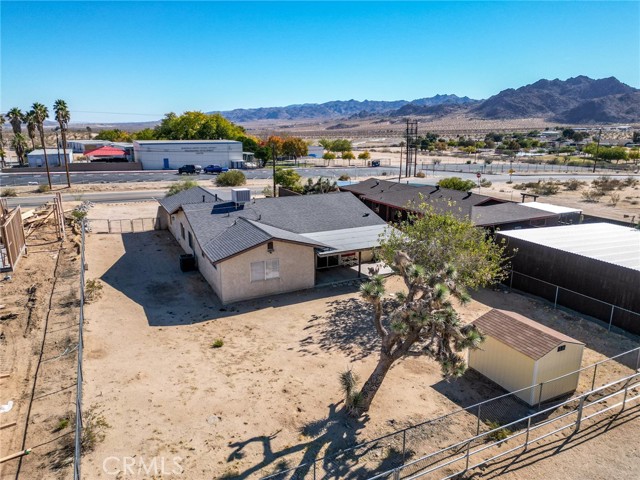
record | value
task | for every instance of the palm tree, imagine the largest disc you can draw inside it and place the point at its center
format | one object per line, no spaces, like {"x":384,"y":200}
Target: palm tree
{"x":30,"y":120}
{"x":2,"y":120}
{"x":63,"y":116}
{"x":15,"y":118}
{"x":41,"y":113}
{"x":19,"y":145}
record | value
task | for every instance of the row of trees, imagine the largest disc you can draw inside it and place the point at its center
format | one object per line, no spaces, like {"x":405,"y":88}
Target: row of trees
{"x":34,"y":121}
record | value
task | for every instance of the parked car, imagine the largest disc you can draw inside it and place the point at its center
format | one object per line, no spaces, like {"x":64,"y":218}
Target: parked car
{"x":375,"y":163}
{"x":215,"y":169}
{"x":190,"y":169}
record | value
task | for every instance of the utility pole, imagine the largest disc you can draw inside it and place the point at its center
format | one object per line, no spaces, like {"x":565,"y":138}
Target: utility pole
{"x":595,"y":158}
{"x":273,"y":155}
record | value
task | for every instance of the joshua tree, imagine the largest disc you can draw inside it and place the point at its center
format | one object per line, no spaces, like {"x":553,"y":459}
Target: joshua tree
{"x":19,"y":145}
{"x":30,"y":120}
{"x":63,"y":116}
{"x":41,"y":113}
{"x":15,"y":118}
{"x":438,"y":257}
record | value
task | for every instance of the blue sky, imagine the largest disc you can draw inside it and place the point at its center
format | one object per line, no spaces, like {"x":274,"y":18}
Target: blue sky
{"x":143,"y":59}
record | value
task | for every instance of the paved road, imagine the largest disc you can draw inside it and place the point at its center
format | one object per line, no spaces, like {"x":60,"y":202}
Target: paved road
{"x":21,"y":179}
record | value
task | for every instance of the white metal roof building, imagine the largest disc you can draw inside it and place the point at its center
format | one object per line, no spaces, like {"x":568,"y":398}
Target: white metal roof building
{"x":172,"y":154}
{"x":591,"y":268}
{"x":600,"y":241}
{"x":36,"y":157}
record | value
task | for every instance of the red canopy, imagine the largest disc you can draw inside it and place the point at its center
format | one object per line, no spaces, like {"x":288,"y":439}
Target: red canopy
{"x":106,"y":151}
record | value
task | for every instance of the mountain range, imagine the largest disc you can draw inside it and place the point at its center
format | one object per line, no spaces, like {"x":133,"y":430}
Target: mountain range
{"x":578,"y":100}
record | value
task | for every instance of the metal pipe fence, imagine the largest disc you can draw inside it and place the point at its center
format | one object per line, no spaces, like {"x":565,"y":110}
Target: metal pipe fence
{"x":77,"y":451}
{"x":564,"y":300}
{"x":498,"y":416}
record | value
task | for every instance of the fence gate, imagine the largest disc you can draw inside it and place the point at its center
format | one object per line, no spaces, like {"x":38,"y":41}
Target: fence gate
{"x":12,"y":236}
{"x":124,"y":225}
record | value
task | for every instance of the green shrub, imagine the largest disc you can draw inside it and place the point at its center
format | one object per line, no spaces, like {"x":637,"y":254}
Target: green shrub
{"x":44,"y":188}
{"x":344,"y":177}
{"x":61,"y":425}
{"x":217,"y":343}
{"x":591,"y":196}
{"x":232,"y":178}
{"x":456,"y":183}
{"x":485,"y":183}
{"x":92,"y":290}
{"x":181,"y":186}
{"x":499,"y":434}
{"x":9,"y":192}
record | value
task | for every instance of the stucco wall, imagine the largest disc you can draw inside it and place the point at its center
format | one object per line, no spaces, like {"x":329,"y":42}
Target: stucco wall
{"x":502,"y":364}
{"x":297,"y":272}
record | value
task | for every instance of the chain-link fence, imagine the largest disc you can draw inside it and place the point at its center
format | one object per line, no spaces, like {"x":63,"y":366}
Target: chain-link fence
{"x":77,"y":451}
{"x":520,"y":167}
{"x":469,"y":428}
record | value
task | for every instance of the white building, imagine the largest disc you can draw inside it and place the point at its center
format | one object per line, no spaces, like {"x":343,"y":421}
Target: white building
{"x":315,"y":151}
{"x":172,"y":154}
{"x":36,"y":157}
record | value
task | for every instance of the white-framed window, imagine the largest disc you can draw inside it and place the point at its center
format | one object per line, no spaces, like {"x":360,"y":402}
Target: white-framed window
{"x":265,"y":270}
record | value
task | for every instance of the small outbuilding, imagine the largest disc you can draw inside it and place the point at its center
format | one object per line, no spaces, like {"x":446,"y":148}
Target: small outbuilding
{"x":519,"y":353}
{"x":55,"y":158}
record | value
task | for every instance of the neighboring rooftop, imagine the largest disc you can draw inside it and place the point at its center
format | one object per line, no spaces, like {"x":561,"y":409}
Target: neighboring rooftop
{"x":50,"y":151}
{"x":601,"y":241}
{"x":187,"y":197}
{"x":548,"y":207}
{"x":499,"y":214}
{"x":521,"y":333}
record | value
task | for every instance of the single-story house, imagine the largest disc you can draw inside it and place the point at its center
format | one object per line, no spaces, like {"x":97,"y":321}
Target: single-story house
{"x":248,"y":248}
{"x":393,"y":201}
{"x":54,"y":158}
{"x":518,"y":353}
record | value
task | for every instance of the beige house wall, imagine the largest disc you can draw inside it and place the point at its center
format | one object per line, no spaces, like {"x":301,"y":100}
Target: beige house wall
{"x":297,"y":272}
{"x":507,"y":367}
{"x":555,"y":364}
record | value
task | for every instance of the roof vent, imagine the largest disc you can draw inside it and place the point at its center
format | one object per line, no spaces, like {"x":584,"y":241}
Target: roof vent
{"x":240,"y":195}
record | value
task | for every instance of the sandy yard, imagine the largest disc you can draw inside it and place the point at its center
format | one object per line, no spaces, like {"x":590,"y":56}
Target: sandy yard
{"x":269,"y":397}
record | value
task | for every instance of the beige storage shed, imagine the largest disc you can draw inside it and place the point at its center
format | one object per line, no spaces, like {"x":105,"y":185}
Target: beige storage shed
{"x":520,"y":353}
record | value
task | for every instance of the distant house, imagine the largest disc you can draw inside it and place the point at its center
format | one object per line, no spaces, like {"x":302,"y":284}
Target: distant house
{"x":250,"y":248}
{"x":518,"y":353}
{"x":36,"y":157}
{"x":107,"y":154}
{"x":81,"y":146}
{"x":394,"y":201}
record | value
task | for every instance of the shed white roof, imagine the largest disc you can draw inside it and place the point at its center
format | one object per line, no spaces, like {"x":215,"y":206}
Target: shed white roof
{"x":50,"y":151}
{"x":348,"y":239}
{"x":601,"y":241}
{"x":548,"y":207}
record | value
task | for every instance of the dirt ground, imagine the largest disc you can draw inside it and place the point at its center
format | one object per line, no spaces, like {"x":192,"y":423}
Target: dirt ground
{"x":269,"y":396}
{"x":38,"y":333}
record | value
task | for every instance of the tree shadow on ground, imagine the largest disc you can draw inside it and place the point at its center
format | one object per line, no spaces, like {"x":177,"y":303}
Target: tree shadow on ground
{"x":327,"y":454}
{"x":347,"y":327}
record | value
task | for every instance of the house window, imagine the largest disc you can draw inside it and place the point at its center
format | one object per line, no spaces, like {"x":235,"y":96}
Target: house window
{"x":265,"y":270}
{"x":182,"y":230}
{"x":190,"y":241}
{"x":270,"y":247}
{"x":562,"y":348}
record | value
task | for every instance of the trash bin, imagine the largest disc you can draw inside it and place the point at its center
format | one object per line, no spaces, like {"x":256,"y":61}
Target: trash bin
{"x":187,"y":262}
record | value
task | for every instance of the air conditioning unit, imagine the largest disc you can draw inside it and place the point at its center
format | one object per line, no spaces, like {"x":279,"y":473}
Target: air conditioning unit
{"x":240,"y":195}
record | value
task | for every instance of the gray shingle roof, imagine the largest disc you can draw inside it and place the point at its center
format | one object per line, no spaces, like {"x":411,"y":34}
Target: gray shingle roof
{"x":506,"y":213}
{"x":399,"y":195}
{"x":521,"y":333}
{"x":222,"y":235}
{"x":244,"y":234}
{"x":193,"y":195}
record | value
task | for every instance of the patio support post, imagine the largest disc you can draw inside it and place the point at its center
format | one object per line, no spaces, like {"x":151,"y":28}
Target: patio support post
{"x":359,"y":263}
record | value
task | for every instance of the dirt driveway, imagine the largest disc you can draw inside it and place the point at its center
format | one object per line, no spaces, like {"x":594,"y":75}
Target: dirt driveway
{"x":269,"y":396}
